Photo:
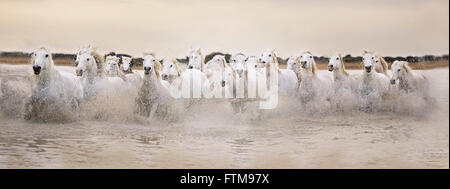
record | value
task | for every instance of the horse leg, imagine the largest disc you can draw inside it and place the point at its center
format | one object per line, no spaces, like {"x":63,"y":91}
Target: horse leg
{"x":152,"y":110}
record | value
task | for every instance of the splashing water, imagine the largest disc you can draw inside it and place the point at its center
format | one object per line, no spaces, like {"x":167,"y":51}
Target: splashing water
{"x":402,"y":131}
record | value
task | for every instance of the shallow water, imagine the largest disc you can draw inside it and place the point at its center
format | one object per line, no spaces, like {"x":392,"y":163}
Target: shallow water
{"x":211,"y":136}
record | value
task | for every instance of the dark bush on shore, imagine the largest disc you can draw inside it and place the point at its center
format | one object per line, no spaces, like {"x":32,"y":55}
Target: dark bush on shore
{"x":211,"y":55}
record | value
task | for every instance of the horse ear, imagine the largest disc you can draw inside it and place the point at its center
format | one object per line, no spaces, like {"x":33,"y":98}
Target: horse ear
{"x":365,"y":51}
{"x":274,"y":57}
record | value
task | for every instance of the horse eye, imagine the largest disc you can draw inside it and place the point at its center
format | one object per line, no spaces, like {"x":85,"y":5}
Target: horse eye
{"x":171,"y":65}
{"x":270,"y":55}
{"x":376,"y":61}
{"x":310,"y":56}
{"x":87,"y":59}
{"x":255,"y":66}
{"x":398,"y":70}
{"x":373,"y":58}
{"x":337,"y":58}
{"x":46,"y":55}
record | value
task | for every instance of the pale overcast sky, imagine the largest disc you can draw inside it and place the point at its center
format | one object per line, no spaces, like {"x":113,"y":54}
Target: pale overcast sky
{"x":170,"y":27}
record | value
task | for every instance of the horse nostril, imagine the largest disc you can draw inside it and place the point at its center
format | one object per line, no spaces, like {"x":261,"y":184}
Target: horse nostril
{"x":392,"y":81}
{"x":36,"y":69}
{"x":190,"y":67}
{"x":223,"y":83}
{"x":331,"y":66}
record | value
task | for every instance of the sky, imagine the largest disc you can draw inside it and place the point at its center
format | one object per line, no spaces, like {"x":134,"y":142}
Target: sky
{"x":171,"y":27}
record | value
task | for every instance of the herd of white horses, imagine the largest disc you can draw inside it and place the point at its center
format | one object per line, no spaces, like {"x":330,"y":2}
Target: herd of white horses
{"x":198,"y":79}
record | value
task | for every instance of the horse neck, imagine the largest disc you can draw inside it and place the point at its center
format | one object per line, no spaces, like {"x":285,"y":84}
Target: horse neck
{"x":406,"y":81}
{"x":172,"y":78}
{"x":47,"y":75}
{"x":113,"y":73}
{"x":151,"y":79}
{"x":91,"y":73}
{"x":268,"y":67}
{"x":339,"y":74}
{"x":129,"y":71}
{"x":307,"y":74}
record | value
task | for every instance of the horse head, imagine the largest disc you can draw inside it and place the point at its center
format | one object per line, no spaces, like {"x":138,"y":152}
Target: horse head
{"x":41,"y":60}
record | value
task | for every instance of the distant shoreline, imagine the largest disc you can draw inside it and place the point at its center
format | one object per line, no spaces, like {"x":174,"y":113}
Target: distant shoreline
{"x":416,"y":62}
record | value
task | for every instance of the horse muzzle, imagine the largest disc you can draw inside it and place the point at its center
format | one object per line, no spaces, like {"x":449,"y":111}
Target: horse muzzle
{"x":393,"y":81}
{"x":240,"y":71}
{"x":147,"y":70}
{"x":303,"y":64}
{"x":223,"y":83}
{"x":37,"y":70}
{"x":330,"y":68}
{"x":165,"y":76}
{"x":368,"y":69}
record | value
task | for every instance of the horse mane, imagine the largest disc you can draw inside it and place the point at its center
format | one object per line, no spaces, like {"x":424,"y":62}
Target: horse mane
{"x":384,"y":64}
{"x":407,"y":68}
{"x":224,"y":62}
{"x":343,"y":66}
{"x":99,"y":61}
{"x":157,"y":69}
{"x":177,"y":66}
{"x":314,"y":66}
{"x":275,"y":60}
{"x":176,"y":63}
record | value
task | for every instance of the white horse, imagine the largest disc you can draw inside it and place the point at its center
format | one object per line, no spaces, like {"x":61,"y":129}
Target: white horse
{"x":238,"y":63}
{"x":344,"y":84}
{"x":130,"y":77}
{"x":90,"y":67}
{"x":312,"y":86}
{"x":287,"y":79}
{"x":379,"y":64}
{"x":189,"y":83}
{"x":112,"y":70}
{"x":126,"y":64}
{"x":407,"y":80}
{"x":54,"y":90}
{"x":373,"y":87}
{"x":196,"y":60}
{"x":153,"y":98}
{"x":341,"y":78}
{"x":293,"y":63}
{"x":222,"y":76}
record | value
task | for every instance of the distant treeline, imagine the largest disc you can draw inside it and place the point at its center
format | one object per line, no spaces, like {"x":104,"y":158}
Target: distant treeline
{"x":319,"y":59}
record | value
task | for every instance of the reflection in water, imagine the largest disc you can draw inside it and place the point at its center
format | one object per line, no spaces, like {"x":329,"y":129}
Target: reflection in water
{"x":217,"y":138}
